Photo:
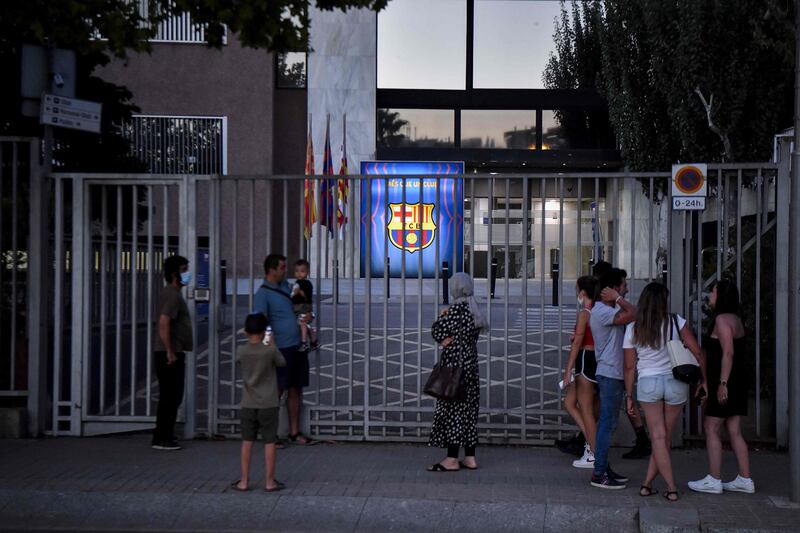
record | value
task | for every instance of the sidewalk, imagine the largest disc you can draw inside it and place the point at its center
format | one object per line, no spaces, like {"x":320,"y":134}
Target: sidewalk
{"x":119,"y":483}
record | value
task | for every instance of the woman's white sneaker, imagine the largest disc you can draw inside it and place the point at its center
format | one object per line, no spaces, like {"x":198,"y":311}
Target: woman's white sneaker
{"x":587,"y":461}
{"x":740,"y":484}
{"x":708,"y":484}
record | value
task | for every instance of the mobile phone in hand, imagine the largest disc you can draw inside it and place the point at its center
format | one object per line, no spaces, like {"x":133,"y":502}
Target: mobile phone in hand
{"x":701,"y":394}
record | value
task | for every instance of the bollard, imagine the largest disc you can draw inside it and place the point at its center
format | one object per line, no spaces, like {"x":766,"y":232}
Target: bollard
{"x":387,"y":285}
{"x":445,"y":274}
{"x":223,"y":282}
{"x":554,"y":275}
{"x":494,"y":276}
{"x":335,"y":282}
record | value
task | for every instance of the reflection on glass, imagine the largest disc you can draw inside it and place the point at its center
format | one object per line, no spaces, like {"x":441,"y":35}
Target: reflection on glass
{"x":568,"y":129}
{"x":291,"y":70}
{"x":498,"y":129}
{"x":419,"y":128}
{"x":513,"y":40}
{"x":422,"y":44}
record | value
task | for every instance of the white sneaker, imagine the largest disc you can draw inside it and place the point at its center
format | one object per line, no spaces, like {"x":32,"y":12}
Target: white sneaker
{"x":708,"y":484}
{"x":587,"y":461}
{"x":740,"y":484}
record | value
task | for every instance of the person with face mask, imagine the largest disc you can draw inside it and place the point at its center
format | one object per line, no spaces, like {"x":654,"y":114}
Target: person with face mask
{"x":174,"y":339}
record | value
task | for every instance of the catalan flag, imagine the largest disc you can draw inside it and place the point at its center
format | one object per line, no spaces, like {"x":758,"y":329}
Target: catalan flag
{"x":343,"y":183}
{"x":326,"y":204}
{"x":309,"y":206}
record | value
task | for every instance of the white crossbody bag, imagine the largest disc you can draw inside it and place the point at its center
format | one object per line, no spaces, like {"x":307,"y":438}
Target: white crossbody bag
{"x":685,"y":367}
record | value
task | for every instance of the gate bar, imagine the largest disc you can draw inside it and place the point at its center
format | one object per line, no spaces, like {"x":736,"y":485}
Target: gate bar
{"x":134,"y":272}
{"x":120,"y":264}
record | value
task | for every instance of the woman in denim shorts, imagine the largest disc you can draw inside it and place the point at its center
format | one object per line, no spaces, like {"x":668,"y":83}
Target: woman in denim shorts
{"x":661,"y":395}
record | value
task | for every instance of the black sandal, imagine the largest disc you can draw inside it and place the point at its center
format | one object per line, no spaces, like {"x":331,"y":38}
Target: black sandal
{"x":439,"y":467}
{"x":294,"y":439}
{"x":645,"y":491}
{"x":671,"y":495}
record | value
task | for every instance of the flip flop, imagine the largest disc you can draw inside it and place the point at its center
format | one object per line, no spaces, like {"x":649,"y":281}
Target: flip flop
{"x":278,"y":486}
{"x":439,"y":467}
{"x":295,"y":439}
{"x":645,"y":491}
{"x":463,"y":465}
{"x":235,"y":486}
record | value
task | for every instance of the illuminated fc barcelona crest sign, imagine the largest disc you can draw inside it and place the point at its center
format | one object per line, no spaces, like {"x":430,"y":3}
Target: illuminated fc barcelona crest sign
{"x":411,"y":207}
{"x":419,"y":230}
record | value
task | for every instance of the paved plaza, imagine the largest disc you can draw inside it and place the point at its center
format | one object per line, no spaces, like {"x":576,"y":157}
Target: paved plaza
{"x":119,"y":483}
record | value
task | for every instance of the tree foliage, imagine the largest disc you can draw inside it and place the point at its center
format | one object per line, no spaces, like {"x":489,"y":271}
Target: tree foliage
{"x":684,"y":79}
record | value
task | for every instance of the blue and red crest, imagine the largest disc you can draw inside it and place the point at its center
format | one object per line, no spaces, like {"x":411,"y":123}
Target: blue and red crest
{"x":419,"y":230}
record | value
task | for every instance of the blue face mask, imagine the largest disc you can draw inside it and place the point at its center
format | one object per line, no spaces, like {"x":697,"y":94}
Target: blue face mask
{"x":186,"y":278}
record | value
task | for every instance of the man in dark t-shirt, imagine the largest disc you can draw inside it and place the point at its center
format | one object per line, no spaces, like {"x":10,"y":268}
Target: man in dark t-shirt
{"x":173,"y":340}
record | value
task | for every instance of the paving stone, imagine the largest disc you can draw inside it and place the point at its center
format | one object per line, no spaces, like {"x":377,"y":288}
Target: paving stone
{"x":132,"y":510}
{"x":387,"y":514}
{"x":32,"y":509}
{"x":674,"y":519}
{"x":498,"y":516}
{"x":587,"y":518}
{"x":235,"y":511}
{"x":305,"y":513}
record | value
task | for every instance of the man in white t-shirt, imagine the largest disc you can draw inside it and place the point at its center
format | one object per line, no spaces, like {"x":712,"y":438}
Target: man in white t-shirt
{"x":610,"y":314}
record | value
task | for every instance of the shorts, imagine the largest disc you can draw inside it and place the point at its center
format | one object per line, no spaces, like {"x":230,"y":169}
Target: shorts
{"x":302,"y":309}
{"x":251,"y":421}
{"x":662,"y":388}
{"x":295,"y":374}
{"x":586,"y":365}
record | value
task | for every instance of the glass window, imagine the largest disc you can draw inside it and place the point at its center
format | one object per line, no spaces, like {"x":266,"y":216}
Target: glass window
{"x":568,"y":129}
{"x":498,"y":129}
{"x":291,"y":70}
{"x":419,"y":128}
{"x":513,"y":40}
{"x":422,"y":44}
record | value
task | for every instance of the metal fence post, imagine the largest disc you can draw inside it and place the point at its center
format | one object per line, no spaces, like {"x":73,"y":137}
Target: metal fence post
{"x":794,"y":282}
{"x":38,"y":276}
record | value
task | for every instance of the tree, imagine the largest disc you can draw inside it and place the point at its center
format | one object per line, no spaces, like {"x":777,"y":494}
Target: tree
{"x":577,"y":64}
{"x":686,"y":79}
{"x":390,"y":126}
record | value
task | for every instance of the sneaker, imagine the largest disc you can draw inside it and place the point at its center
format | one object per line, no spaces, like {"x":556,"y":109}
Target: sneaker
{"x":708,"y":484}
{"x":166,"y":446}
{"x":641,"y":450}
{"x":586,"y":461}
{"x":616,"y":477}
{"x":607,"y":482}
{"x":740,"y":484}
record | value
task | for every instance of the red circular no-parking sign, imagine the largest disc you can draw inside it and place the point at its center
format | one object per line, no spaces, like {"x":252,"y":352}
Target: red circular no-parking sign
{"x":689,"y":180}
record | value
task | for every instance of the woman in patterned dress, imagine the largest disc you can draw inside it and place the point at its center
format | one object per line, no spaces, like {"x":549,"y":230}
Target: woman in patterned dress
{"x":455,"y":422}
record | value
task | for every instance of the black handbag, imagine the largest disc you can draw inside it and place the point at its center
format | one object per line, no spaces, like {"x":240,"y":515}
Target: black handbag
{"x":446,"y":383}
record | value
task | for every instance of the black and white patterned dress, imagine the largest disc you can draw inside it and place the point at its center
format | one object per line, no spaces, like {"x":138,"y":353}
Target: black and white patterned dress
{"x":455,"y":423}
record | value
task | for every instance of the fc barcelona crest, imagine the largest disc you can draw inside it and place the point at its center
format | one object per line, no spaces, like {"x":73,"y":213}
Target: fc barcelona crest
{"x":420,"y":229}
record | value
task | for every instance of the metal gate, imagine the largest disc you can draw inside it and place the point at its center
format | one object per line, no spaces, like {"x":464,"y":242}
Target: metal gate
{"x":538,"y":232}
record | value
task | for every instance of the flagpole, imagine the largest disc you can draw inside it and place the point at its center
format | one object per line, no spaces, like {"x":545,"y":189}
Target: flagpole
{"x":343,"y":200}
{"x":327,"y":193}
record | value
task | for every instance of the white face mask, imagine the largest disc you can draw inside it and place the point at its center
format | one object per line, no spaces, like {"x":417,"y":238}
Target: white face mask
{"x":580,"y":300}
